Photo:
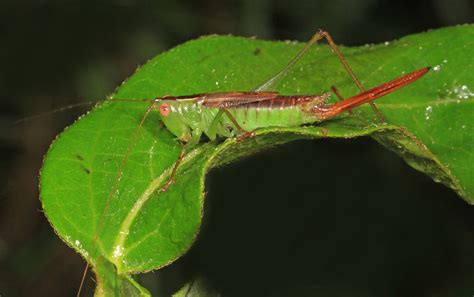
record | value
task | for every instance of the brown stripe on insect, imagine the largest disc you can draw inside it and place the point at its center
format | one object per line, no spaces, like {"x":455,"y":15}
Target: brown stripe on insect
{"x":282,"y":102}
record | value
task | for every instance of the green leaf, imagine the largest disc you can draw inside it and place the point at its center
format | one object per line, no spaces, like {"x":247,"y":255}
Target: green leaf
{"x":429,"y":124}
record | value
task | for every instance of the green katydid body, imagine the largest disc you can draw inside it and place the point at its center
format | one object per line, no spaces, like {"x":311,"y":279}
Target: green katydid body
{"x":224,"y":114}
{"x":188,"y":117}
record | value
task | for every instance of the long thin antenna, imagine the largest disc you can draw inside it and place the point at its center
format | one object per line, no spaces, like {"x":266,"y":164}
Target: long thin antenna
{"x":69,"y":107}
{"x":51,"y":112}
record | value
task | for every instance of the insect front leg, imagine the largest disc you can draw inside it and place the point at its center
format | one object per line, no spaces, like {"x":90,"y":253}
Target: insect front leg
{"x":175,"y":168}
{"x":196,"y":136}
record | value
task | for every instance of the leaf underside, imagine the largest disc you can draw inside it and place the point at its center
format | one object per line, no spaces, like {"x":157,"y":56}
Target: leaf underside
{"x":429,"y":124}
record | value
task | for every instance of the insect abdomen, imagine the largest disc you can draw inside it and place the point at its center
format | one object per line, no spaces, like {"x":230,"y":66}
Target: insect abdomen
{"x":282,"y":111}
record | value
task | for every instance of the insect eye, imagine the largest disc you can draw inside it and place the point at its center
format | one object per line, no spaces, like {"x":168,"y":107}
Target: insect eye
{"x":165,"y":109}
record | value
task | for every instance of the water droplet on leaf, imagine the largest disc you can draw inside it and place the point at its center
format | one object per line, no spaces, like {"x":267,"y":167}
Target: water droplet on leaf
{"x":428,"y":112}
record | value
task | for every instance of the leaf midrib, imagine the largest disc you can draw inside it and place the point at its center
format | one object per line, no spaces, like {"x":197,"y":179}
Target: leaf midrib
{"x":154,"y":185}
{"x":423,"y":104}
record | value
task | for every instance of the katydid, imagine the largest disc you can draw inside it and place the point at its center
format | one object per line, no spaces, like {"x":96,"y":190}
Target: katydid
{"x":239,"y":114}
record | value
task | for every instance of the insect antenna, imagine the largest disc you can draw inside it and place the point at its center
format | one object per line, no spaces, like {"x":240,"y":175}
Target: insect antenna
{"x":116,"y":180}
{"x":69,"y":107}
{"x":52,"y":112}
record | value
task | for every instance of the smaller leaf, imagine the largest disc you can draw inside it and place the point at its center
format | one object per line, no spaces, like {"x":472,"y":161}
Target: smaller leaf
{"x":196,"y":288}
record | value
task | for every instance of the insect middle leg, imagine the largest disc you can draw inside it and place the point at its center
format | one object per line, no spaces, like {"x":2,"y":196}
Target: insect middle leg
{"x":244,"y":133}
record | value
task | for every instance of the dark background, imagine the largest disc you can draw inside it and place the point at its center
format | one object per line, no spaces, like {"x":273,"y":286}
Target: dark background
{"x":319,"y":218}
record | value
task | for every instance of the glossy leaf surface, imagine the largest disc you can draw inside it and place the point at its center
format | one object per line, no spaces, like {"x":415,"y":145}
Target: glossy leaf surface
{"x":429,"y":124}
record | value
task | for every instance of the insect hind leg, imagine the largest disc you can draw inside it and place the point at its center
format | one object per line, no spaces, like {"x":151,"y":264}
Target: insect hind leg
{"x":339,"y":96}
{"x":320,"y":34}
{"x":323,"y":34}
